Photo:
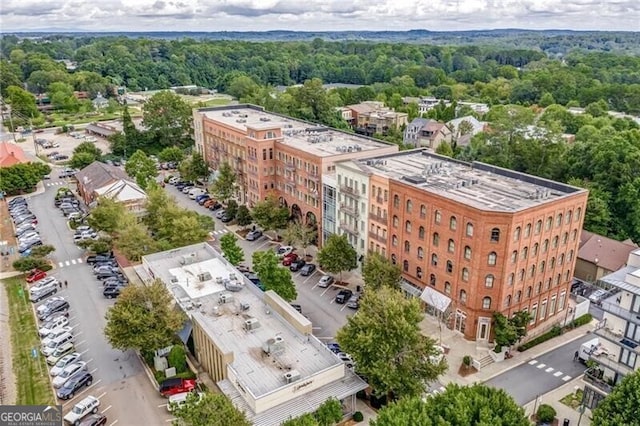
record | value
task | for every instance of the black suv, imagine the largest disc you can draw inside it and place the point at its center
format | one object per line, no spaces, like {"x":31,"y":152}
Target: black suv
{"x":297,"y":264}
{"x":59,"y":305}
{"x":82,"y":378}
{"x":101,"y":257}
{"x":343,"y":296}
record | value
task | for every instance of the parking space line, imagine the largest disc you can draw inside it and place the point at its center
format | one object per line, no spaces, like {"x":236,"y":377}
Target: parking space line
{"x":93,"y":371}
{"x":79,"y":333}
{"x":171,"y":420}
{"x":73,"y":261}
{"x":106,"y":409}
{"x":116,"y":421}
{"x":325,"y":291}
{"x":79,"y":260}
{"x":67,"y":263}
{"x":60,"y":264}
{"x":84,"y":352}
{"x":80,"y":343}
{"x":72,"y":318}
{"x":101,"y":395}
{"x":309,"y":277}
{"x":89,"y":360}
{"x":345,"y":305}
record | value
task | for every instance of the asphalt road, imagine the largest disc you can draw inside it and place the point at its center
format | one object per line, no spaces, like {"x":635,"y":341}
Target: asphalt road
{"x":541,"y":374}
{"x":119,"y":379}
{"x":317,"y":303}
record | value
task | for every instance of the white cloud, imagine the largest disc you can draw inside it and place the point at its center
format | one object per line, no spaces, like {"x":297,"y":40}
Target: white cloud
{"x":319,"y":15}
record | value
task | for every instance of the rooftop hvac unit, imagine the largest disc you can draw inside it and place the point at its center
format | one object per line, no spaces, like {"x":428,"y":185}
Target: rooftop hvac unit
{"x":233,"y":285}
{"x":232,"y":276}
{"x":274,"y":345}
{"x":216,"y":311}
{"x":245,"y":306}
{"x":292,"y":376}
{"x":251,"y":324}
{"x":225,"y":298}
{"x":173,"y":279}
{"x":204,"y":276}
{"x":219,"y":280}
{"x":241,"y":120}
{"x":188,"y":259}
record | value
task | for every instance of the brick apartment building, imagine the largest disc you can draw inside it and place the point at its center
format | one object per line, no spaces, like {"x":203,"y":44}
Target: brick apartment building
{"x":275,"y":153}
{"x":471,"y":239}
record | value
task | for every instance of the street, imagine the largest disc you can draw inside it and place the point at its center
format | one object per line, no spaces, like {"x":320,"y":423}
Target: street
{"x":541,"y":374}
{"x":119,"y":379}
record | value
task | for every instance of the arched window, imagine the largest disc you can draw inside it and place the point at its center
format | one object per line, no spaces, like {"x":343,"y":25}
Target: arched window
{"x":469,"y":229}
{"x":465,"y":274}
{"x":545,"y":246}
{"x":516,"y":234}
{"x":486,"y":303}
{"x":488,"y":281}
{"x":407,"y":226}
{"x":511,"y":278}
{"x":548,"y":223}
{"x":527,"y":231}
{"x":405,"y":266}
{"x":518,"y":296}
{"x":561,"y":259}
{"x":437,"y":217}
{"x":493,"y":258}
{"x":507,"y":301}
{"x":394,"y":259}
{"x":525,"y":252}
{"x":449,"y":266}
{"x":543,"y":264}
{"x":423,"y":211}
{"x":534,"y":251}
{"x":463,"y":297}
{"x":467,"y":252}
{"x":421,"y":232}
{"x":538,"y":227}
{"x":574,"y":234}
{"x":407,"y":246}
{"x":567,"y":218}
{"x":394,"y":241}
{"x":420,"y":253}
{"x":532,"y":270}
{"x":570,"y":256}
{"x":409,"y":206}
{"x":451,"y":246}
{"x":552,"y":263}
{"x":529,"y":291}
{"x":521,"y":275}
{"x":419,"y":272}
{"x":555,"y":242}
{"x":396,"y":201}
{"x":432,"y":280}
{"x":559,"y":220}
{"x":538,"y":288}
{"x":453,"y":223}
{"x":395,"y":221}
{"x":578,"y":213}
{"x":434,"y":259}
{"x":565,"y":238}
{"x":436,"y":239}
{"x":514,"y":256}
{"x":495,"y":235}
{"x":447,"y":287}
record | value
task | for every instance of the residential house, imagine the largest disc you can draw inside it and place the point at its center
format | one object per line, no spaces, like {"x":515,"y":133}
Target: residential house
{"x":100,"y":102}
{"x":425,"y":132}
{"x":464,"y":128}
{"x":599,"y":256}
{"x":371,"y":117}
{"x":103,"y":180}
{"x":11,"y":154}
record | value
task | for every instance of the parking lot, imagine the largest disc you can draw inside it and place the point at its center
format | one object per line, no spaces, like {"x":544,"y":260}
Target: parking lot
{"x":65,"y":143}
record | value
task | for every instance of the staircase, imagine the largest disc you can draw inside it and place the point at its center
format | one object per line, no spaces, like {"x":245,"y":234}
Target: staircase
{"x":485,"y":361}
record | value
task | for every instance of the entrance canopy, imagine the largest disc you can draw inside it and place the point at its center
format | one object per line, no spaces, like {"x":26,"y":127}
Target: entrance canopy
{"x":436,"y":299}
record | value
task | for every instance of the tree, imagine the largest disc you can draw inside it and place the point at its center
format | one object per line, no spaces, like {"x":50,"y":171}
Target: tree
{"x":194,"y":168}
{"x":329,"y":412}
{"x":22,"y":177}
{"x":171,"y":153}
{"x":42,"y":251}
{"x":230,"y":248}
{"x":23,"y":103}
{"x":133,"y":239}
{"x":387,"y":345}
{"x":337,"y":255}
{"x":186,"y":229}
{"x":169,"y":118}
{"x":242,"y":86}
{"x":214,"y":409}
{"x":243,"y":216}
{"x":223,"y":188}
{"x":508,"y":331}
{"x":620,"y":407}
{"x":273,"y":276}
{"x":298,"y":233}
{"x":101,"y":245}
{"x":28,"y":263}
{"x":458,"y":405}
{"x":232,"y":209}
{"x":269,"y":214}
{"x":141,"y":168}
{"x":177,"y":358}
{"x":143,"y":318}
{"x":85,"y":154}
{"x":106,"y":216}
{"x":378,"y":272}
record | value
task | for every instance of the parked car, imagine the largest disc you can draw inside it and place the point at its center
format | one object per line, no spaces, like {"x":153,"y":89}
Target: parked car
{"x":16,"y":200}
{"x":60,"y":353}
{"x":54,"y":334}
{"x":220,"y":214}
{"x":186,"y":189}
{"x":173,"y":386}
{"x":44,"y":282}
{"x":28,"y":245}
{"x":56,"y":343}
{"x":296,"y":307}
{"x":109,"y":274}
{"x":202,"y":199}
{"x":334,"y":347}
{"x":343,"y":295}
{"x":215,"y":206}
{"x":354,"y":302}
{"x":68,"y":372}
{"x":227,"y":218}
{"x":53,"y":306}
{"x":180,"y":399}
{"x":82,"y":409}
{"x":41,"y":293}
{"x":36,"y":275}
{"x":297,"y":264}
{"x":111,"y":292}
{"x":288,"y":259}
{"x":28,"y":235}
{"x":598,"y":295}
{"x":94,"y":420}
{"x":254,"y":235}
{"x":325,"y":281}
{"x":55,"y":323}
{"x":103,"y":268}
{"x":307,"y":269}
{"x":174,"y":180}
{"x":52,"y":315}
{"x":64,"y":362}
{"x":283,"y":251}
{"x":99,"y":257}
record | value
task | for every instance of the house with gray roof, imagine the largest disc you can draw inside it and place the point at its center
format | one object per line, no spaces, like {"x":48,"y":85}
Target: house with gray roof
{"x":425,"y":132}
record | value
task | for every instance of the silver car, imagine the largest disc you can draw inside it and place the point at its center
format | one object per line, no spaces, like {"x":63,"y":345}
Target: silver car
{"x":65,"y":361}
{"x":325,"y":281}
{"x":68,"y":372}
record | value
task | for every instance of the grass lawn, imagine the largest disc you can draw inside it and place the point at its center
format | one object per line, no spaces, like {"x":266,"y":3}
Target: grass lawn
{"x":573,"y":400}
{"x":214,"y":102}
{"x":33,"y":386}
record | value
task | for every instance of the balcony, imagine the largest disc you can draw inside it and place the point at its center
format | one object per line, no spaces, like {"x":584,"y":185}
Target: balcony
{"x":350,"y":210}
{"x":314,"y":177}
{"x":617,"y":310}
{"x":378,"y":238}
{"x":349,"y":190}
{"x":610,"y":361}
{"x":379,"y":219}
{"x":351,"y":229}
{"x":591,"y":376}
{"x":290,"y":167}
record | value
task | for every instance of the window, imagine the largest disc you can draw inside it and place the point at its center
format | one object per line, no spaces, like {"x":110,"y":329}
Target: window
{"x":451,"y":246}
{"x":552,"y":263}
{"x":554,"y":244}
{"x":449,"y":266}
{"x":563,"y":296}
{"x":574,"y":234}
{"x":434,"y":259}
{"x":521,"y":275}
{"x":561,"y":259}
{"x":437,"y":217}
{"x":421,"y":232}
{"x":467,"y":252}
{"x":516,"y":234}
{"x":552,"y":305}
{"x":409,"y":206}
{"x":395,"y":221}
{"x":567,"y":218}
{"x":407,"y":246}
{"x":394,"y":241}
{"x":529,"y":292}
{"x":534,"y":250}
{"x":453,"y":223}
{"x":518,"y":296}
{"x":495,"y":235}
{"x":558,"y":278}
{"x":486,"y":303}
{"x":534,"y":312}
{"x":525,"y":253}
{"x":423,"y":211}
{"x":405,"y":266}
{"x":488,"y":281}
{"x":547,"y":224}
{"x":543,"y":309}
{"x":559,"y":220}
{"x":420,"y":253}
{"x":511,"y":278}
{"x":407,"y":226}
{"x":545,"y":246}
{"x":419,"y":272}
{"x":507,"y":301}
{"x":465,"y":274}
{"x":628,"y":357}
{"x":436,"y":239}
{"x":543,"y":264}
{"x":514,"y":256}
{"x":565,"y":238}
{"x":538,"y":227}
{"x":396,"y":201}
{"x":538,"y":288}
{"x":432,"y":280}
{"x":570,"y":258}
{"x":493,"y":258}
{"x":469,"y":229}
{"x":463,"y":296}
{"x":394,"y":259}
{"x":527,"y":231}
{"x":447,"y":287}
{"x":532,"y":271}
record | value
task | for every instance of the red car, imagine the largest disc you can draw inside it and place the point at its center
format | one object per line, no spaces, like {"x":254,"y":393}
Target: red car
{"x":173,"y":386}
{"x":36,"y":275}
{"x":288,"y":259}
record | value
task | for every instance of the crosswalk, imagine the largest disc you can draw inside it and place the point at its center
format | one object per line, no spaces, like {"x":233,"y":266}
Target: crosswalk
{"x":547,"y":369}
{"x":219,"y":232}
{"x":64,"y":263}
{"x":50,"y":184}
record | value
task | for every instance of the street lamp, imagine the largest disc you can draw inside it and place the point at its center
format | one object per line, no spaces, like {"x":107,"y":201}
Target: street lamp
{"x":581,"y":409}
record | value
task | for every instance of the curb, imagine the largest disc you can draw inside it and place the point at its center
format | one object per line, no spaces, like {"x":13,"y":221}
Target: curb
{"x":539,"y":397}
{"x":148,"y":371}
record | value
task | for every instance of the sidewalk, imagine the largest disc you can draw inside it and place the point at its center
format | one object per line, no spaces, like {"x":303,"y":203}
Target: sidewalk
{"x":562,"y":411}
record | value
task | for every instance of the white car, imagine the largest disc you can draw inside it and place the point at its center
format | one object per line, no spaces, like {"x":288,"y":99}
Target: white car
{"x":67,"y":373}
{"x":51,"y":325}
{"x":82,"y":409}
{"x":64,"y":362}
{"x":220,"y":213}
{"x":45,"y":281}
{"x":57,"y":332}
{"x":325,"y":281}
{"x":28,"y":235}
{"x":174,"y":180}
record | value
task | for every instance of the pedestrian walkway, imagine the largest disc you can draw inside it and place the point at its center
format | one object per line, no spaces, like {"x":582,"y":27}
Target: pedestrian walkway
{"x":59,"y":183}
{"x":562,"y":411}
{"x":219,"y":232}
{"x":63,"y":263}
{"x":547,"y":369}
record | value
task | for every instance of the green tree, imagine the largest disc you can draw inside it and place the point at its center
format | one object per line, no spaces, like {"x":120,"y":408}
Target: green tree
{"x":133,"y":239}
{"x":269,"y":214}
{"x":28,"y":263}
{"x":141,"y":168}
{"x":143,"y":318}
{"x":387,"y":345}
{"x":306,"y":419}
{"x":62,"y":97}
{"x":458,"y":405}
{"x":445,"y":149}
{"x":230,"y":248}
{"x":171,"y":153}
{"x":329,"y":412}
{"x":224,"y":187}
{"x":194,"y":168}
{"x":378,"y":272}
{"x":232,"y":209}
{"x":187,"y":229}
{"x":300,"y":234}
{"x":23,"y":103}
{"x":85,"y":154}
{"x":177,"y":358}
{"x":620,"y":407}
{"x":214,"y":409}
{"x":101,"y":245}
{"x":169,"y":118}
{"x":272,"y":276}
{"x":106,"y":216}
{"x":547,"y":99}
{"x":243,"y":216}
{"x":42,"y":251}
{"x":22,"y":177}
{"x":242,"y":86}
{"x":337,"y":255}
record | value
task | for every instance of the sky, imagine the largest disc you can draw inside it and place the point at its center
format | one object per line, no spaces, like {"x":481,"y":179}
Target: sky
{"x":316,"y":15}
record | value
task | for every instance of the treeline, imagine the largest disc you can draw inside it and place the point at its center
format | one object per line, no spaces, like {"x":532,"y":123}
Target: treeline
{"x":487,"y":74}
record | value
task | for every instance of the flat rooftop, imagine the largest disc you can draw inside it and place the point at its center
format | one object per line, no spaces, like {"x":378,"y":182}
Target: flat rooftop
{"x":224,"y":322}
{"x":315,"y":139}
{"x":475,"y":184}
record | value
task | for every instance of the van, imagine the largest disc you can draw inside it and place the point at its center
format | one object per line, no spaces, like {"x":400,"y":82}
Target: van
{"x":56,"y":343}
{"x":194,"y":192}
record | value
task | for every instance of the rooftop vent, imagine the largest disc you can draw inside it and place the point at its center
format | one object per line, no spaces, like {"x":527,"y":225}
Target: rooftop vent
{"x":204,"y":276}
{"x":251,"y":324}
{"x":292,"y":376}
{"x":225,"y":298}
{"x":415,"y":179}
{"x":241,"y":120}
{"x":245,"y":306}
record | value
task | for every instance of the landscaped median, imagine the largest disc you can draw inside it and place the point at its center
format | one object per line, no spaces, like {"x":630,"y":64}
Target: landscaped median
{"x":29,"y":366}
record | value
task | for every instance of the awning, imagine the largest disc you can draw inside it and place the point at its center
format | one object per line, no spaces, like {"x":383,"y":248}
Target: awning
{"x":186,"y":331}
{"x":435,"y":299}
{"x":410,"y":288}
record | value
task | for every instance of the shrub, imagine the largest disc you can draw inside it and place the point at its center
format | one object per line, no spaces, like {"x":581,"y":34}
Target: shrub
{"x":466,"y":360}
{"x":42,"y":251}
{"x":554,"y":332}
{"x":159,"y":376}
{"x":178,"y":358}
{"x":358,"y":417}
{"x":186,"y":375}
{"x":28,"y":263}
{"x":582,"y":320}
{"x":546,"y":413}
